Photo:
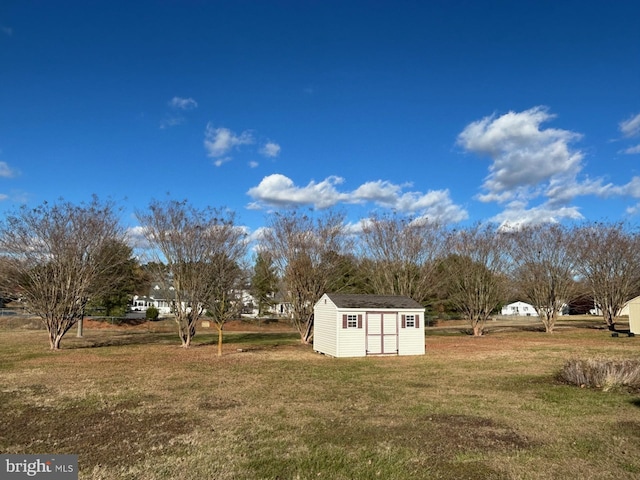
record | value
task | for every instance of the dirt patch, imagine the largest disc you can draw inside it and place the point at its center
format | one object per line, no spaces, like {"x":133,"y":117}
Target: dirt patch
{"x":467,"y":432}
{"x":440,"y":435}
{"x":115,"y":435}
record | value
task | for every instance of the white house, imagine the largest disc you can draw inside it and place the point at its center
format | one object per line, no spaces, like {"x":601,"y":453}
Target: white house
{"x":519,"y":308}
{"x":524,"y":309}
{"x":360,"y":325}
{"x":157,"y":298}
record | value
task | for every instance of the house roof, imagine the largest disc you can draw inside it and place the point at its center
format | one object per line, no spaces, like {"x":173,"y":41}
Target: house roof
{"x":342,"y":300}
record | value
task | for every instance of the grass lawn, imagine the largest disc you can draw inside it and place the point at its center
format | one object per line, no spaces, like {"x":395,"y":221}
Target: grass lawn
{"x":135,"y":405}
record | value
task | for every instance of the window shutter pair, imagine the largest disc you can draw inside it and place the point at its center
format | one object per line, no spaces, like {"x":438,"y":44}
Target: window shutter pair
{"x":344,"y":321}
{"x":416,"y":321}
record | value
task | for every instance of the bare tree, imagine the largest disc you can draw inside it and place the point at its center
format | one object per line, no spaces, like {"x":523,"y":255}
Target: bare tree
{"x":475,"y":273}
{"x":226,"y":281}
{"x":190,"y":245}
{"x":56,"y":258}
{"x":544,"y":257}
{"x":403,"y":256}
{"x":610,"y":263}
{"x":309,"y":254}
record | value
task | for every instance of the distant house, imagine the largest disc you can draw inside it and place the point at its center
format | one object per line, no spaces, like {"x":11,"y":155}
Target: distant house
{"x":519,"y":308}
{"x":524,"y":309}
{"x":362,"y":325}
{"x":158,"y":297}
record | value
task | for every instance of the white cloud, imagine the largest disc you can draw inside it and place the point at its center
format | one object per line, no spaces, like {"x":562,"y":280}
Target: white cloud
{"x":631,"y":126}
{"x":380,"y":192}
{"x":631,"y":150}
{"x":253,"y":164}
{"x":561,"y":191}
{"x":137,"y":238}
{"x":219,"y":141}
{"x":631,"y":189}
{"x":529,"y":162}
{"x":280,"y":191}
{"x":523,"y":155}
{"x":221,"y":161}
{"x":6,"y":171}
{"x":180,"y":103}
{"x":634,"y":210}
{"x":517,"y":215}
{"x":270,"y":149}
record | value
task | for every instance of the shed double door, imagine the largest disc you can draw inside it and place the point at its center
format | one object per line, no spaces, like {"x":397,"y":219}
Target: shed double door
{"x":382,"y":333}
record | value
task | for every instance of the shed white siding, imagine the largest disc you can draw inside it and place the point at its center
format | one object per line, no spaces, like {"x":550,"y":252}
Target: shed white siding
{"x":411,"y":339}
{"x":325,"y":329}
{"x":634,"y":315}
{"x":356,"y":329}
{"x":350,"y":341}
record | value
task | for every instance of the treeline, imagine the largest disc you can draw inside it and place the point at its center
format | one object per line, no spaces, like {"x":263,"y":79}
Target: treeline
{"x":61,"y":259}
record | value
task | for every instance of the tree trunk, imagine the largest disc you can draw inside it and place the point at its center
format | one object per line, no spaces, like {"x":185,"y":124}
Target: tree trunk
{"x":610,"y":320}
{"x":477,"y":326}
{"x":186,"y":332}
{"x":54,"y":340}
{"x":308,"y":333}
{"x":219,"y":340}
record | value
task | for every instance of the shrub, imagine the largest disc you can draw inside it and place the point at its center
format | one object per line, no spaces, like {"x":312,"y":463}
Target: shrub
{"x":152,"y":313}
{"x":602,"y":373}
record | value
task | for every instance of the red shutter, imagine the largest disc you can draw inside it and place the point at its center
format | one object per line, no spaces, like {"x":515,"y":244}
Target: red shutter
{"x":344,"y":321}
{"x":417,"y":321}
{"x":359,"y":321}
{"x":404,"y":321}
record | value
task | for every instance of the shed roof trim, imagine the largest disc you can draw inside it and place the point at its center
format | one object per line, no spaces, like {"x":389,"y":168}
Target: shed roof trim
{"x":342,"y":300}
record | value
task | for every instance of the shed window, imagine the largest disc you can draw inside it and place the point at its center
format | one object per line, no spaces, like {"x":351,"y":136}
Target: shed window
{"x":410,"y":321}
{"x":352,"y":321}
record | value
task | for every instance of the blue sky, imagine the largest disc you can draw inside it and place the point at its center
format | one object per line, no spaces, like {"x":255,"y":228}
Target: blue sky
{"x":460,"y":111}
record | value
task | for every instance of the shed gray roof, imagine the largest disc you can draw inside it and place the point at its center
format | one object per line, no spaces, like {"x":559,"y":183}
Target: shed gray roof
{"x":372,"y":301}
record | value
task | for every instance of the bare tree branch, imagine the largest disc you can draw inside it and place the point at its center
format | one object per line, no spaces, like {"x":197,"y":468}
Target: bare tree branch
{"x":55,"y":258}
{"x":309,"y":254}
{"x":403,"y":256}
{"x":475,"y":272}
{"x":545,"y":263}
{"x":190,"y":244}
{"x":610,"y":264}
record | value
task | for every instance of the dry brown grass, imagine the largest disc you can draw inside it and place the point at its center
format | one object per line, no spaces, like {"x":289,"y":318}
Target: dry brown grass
{"x":133,"y":404}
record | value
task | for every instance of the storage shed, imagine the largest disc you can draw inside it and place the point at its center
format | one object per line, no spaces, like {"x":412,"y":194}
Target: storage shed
{"x":634,"y":315}
{"x":360,"y":325}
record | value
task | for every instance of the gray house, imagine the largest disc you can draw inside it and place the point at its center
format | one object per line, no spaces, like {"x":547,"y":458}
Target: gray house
{"x":361,"y":325}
